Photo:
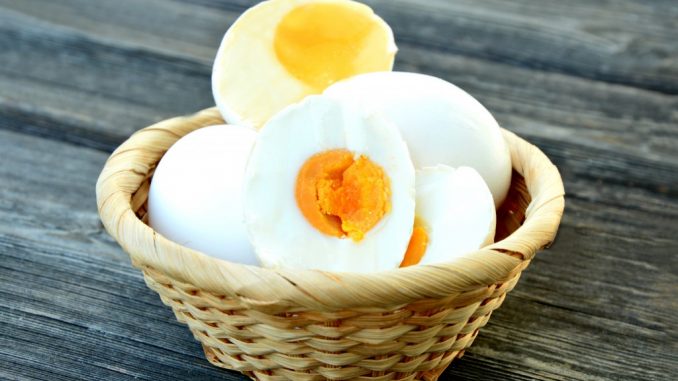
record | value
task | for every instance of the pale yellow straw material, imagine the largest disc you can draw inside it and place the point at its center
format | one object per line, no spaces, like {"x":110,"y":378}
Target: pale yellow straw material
{"x":405,"y":324}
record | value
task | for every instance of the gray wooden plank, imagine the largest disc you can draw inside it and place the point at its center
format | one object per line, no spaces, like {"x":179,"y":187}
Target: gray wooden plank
{"x":93,"y":86}
{"x":119,"y":332}
{"x":169,"y":27}
{"x":47,"y":193}
{"x":625,"y":42}
{"x":592,"y":307}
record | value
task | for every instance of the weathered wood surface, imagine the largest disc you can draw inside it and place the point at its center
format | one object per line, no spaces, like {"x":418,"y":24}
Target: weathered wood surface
{"x":593,"y":84}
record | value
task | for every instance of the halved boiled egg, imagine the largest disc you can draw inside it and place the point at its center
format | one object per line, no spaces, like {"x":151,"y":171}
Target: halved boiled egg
{"x":454,"y":215}
{"x":441,"y":123}
{"x":280,"y":51}
{"x":329,"y":186}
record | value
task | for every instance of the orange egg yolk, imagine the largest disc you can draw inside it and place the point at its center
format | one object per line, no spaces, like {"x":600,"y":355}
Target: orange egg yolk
{"x":321,"y":43}
{"x":417,"y":246}
{"x":342,"y":196}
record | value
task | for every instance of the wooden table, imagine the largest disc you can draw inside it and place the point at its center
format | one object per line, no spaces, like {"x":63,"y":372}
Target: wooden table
{"x":594,"y":84}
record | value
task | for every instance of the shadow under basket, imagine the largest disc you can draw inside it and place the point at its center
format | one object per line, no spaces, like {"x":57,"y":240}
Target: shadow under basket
{"x":404,"y":324}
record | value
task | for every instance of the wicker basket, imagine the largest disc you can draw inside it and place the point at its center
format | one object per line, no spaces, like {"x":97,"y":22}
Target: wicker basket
{"x":405,"y":324}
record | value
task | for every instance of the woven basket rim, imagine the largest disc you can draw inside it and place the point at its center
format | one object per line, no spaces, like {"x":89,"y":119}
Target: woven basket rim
{"x":134,"y":161}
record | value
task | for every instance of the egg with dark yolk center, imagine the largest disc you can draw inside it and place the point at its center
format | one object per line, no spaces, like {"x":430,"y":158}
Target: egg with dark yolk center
{"x":280,"y":51}
{"x":329,"y":186}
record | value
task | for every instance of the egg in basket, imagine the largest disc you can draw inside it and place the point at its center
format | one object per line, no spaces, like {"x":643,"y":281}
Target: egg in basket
{"x":347,"y":221}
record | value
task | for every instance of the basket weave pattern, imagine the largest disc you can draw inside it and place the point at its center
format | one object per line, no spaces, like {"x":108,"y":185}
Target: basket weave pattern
{"x":407,"y":324}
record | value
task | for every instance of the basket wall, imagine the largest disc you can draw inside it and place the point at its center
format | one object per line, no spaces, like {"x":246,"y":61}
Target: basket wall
{"x":275,"y":325}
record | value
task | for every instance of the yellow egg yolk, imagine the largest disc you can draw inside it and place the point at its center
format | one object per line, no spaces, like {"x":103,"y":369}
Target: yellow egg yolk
{"x":342,"y":196}
{"x":417,"y":246}
{"x":321,"y":43}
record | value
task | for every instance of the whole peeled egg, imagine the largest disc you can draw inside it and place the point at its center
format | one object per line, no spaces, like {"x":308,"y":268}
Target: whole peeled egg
{"x":196,"y":192}
{"x":441,"y":123}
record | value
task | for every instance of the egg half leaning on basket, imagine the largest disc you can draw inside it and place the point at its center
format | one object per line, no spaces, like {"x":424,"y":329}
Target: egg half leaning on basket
{"x":280,"y":51}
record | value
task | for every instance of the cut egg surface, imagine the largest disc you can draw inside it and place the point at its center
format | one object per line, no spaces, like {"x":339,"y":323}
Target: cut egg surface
{"x":280,"y":51}
{"x":455,"y":215}
{"x":195,"y":198}
{"x":329,"y":186}
{"x":441,"y":123}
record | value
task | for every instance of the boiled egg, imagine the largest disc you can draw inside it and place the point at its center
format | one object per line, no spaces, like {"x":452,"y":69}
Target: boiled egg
{"x":441,"y":123}
{"x":195,"y":198}
{"x":329,"y":186}
{"x":454,"y":215}
{"x":280,"y":51}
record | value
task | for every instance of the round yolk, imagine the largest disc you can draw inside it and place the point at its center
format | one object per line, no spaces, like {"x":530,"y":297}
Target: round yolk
{"x":322,"y":43}
{"x":417,"y":246}
{"x":342,"y":196}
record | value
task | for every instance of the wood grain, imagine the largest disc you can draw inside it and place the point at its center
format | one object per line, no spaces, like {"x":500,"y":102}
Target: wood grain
{"x":593,"y":84}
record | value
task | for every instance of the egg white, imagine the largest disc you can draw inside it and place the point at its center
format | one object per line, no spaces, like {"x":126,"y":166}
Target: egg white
{"x":441,"y":123}
{"x":195,"y":197}
{"x":457,"y":210}
{"x":281,"y":235}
